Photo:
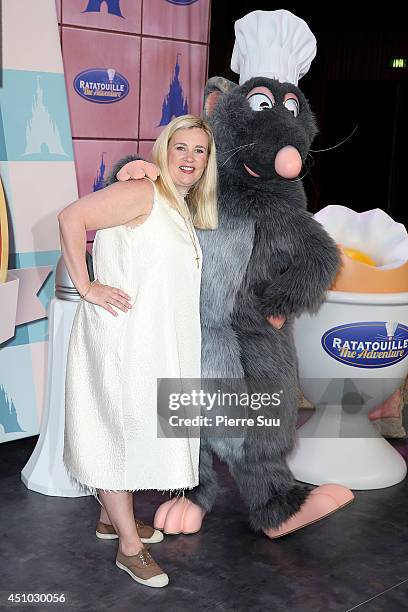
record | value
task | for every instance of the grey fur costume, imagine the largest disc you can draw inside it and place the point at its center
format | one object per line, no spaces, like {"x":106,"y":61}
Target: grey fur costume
{"x":267,"y":257}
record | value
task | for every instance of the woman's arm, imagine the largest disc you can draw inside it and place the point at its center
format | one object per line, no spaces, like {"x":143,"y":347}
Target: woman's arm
{"x":115,"y":205}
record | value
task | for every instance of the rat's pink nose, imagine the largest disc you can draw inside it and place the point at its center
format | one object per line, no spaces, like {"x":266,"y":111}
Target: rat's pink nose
{"x":288,"y":162}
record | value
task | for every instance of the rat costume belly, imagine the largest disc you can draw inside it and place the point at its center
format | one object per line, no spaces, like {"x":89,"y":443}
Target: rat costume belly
{"x":113,"y":362}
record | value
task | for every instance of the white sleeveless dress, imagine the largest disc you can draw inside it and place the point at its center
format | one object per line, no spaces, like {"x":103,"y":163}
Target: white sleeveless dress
{"x":113,"y":363}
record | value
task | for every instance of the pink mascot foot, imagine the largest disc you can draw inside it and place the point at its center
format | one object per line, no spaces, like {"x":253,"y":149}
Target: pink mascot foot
{"x":179,"y":515}
{"x":322,"y":501}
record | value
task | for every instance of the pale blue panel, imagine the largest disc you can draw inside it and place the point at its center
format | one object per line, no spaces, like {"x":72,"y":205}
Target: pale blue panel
{"x":35,"y":117}
{"x":5,"y":179}
{"x":36,"y":331}
{"x":3,"y":152}
{"x":18,"y":412}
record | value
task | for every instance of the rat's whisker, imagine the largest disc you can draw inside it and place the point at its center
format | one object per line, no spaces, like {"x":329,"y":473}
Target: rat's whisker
{"x":309,"y":164}
{"x":300,"y":177}
{"x":237,"y":150}
{"x":337,"y":145}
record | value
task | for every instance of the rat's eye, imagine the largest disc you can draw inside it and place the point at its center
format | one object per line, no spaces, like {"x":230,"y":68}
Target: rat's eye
{"x":260,"y":101}
{"x":292,"y":105}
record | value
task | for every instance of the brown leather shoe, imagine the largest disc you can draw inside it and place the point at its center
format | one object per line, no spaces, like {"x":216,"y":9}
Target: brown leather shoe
{"x":142,"y":568}
{"x":147,"y":534}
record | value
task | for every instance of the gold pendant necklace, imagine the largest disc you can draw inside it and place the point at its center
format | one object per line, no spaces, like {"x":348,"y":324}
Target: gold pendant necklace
{"x":190,"y":230}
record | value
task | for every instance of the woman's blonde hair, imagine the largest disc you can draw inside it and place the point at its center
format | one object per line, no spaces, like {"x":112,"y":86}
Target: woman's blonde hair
{"x":202,"y":197}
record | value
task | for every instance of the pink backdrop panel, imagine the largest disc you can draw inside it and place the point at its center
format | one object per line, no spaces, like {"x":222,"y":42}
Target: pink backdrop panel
{"x":189,"y":22}
{"x":145,"y":149}
{"x":159,"y":70}
{"x":86,"y":50}
{"x":74,"y":13}
{"x":91,"y":168}
{"x":58,"y":5}
{"x":94,"y":160}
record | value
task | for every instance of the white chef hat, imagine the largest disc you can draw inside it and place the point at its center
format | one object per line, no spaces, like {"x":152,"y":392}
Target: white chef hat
{"x":273,"y":44}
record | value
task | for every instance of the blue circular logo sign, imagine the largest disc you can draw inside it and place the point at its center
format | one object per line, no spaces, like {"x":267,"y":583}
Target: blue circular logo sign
{"x":367,"y":344}
{"x":101,"y":85}
{"x":182,"y":2}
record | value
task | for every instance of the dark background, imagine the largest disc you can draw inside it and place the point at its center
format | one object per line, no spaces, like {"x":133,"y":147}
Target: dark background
{"x":350,"y":83}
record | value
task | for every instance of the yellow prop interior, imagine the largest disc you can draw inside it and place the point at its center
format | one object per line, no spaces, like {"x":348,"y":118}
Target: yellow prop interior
{"x":359,"y":256}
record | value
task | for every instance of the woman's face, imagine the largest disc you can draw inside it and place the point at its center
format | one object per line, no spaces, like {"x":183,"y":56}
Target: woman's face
{"x":187,"y":156}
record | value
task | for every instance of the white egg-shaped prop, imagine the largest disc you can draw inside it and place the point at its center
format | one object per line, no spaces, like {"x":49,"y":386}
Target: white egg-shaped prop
{"x":353,"y":355}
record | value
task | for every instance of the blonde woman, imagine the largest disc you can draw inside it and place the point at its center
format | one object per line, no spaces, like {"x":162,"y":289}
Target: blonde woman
{"x":137,"y":322}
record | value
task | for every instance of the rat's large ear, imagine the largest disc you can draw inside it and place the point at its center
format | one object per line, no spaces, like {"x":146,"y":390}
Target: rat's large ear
{"x":215,"y":88}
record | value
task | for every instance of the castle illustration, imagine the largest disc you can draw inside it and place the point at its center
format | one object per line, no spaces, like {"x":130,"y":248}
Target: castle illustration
{"x":174,"y":104}
{"x":94,"y":6}
{"x":8,"y":413}
{"x":42,"y":135}
{"x":99,"y":181}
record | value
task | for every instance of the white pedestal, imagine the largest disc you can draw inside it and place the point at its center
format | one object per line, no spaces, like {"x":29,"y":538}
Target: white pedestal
{"x":45,"y":471}
{"x":369,"y":462}
{"x":339,"y":443}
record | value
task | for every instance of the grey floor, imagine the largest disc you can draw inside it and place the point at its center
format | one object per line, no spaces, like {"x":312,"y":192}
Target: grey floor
{"x":48,"y":546}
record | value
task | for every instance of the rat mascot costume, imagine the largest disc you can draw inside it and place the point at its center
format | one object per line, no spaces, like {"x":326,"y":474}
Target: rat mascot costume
{"x":268,"y":258}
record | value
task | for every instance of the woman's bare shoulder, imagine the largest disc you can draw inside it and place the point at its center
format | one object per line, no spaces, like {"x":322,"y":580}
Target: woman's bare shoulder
{"x":139,"y":188}
{"x":137,"y":193}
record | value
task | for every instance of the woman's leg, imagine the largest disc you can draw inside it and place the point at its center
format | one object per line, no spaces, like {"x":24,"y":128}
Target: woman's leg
{"x":119,"y":507}
{"x":104,"y":518}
